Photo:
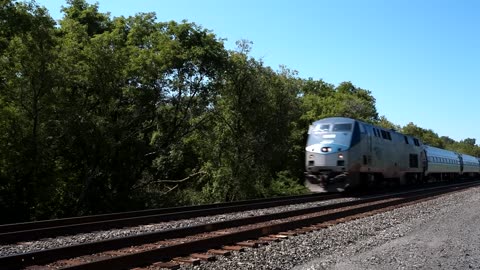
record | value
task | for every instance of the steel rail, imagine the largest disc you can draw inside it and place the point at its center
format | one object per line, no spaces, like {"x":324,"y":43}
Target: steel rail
{"x":120,"y":215}
{"x":169,"y":252}
{"x":47,"y":256}
{"x":12,"y":234}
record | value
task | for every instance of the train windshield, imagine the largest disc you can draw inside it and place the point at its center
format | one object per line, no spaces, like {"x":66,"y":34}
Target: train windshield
{"x":330,"y":134}
{"x":319,"y":128}
{"x":342,"y":127}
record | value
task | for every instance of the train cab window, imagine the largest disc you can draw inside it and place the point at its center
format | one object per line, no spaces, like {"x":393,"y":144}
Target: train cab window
{"x":342,"y":127}
{"x":389,"y":137}
{"x":319,"y":128}
{"x":376,"y":132}
{"x":324,"y":127}
{"x":406,"y":139}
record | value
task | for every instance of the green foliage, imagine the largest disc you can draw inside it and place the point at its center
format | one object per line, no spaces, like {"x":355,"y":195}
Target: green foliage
{"x":86,"y":15}
{"x":285,"y":185}
{"x":385,"y":123}
{"x":427,"y":136}
{"x":320,"y":100}
{"x":102,"y":114}
{"x":27,"y":76}
{"x":467,"y":146}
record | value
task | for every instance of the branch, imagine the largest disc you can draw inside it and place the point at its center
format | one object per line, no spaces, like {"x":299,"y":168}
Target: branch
{"x":168,"y":180}
{"x":169,"y":190}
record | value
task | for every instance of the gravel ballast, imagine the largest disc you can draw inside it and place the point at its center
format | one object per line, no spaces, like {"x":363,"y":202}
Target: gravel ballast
{"x":49,"y":243}
{"x":443,"y":233}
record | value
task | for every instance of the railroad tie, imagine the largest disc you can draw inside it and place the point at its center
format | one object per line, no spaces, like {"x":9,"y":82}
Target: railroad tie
{"x":234,"y":248}
{"x":247,"y":244}
{"x":280,"y":236}
{"x":289,"y":233}
{"x":262,"y":242}
{"x":167,"y":265}
{"x":203,"y":257}
{"x":220,"y":252}
{"x":271,"y":239}
{"x":187,"y":260}
{"x":38,"y":267}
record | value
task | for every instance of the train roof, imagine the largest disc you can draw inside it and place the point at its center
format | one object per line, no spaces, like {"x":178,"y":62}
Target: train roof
{"x":428,"y":148}
{"x":336,"y":120}
{"x":333,"y":120}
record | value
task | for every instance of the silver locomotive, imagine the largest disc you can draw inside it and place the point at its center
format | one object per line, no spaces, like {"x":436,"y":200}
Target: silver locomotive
{"x":343,"y":153}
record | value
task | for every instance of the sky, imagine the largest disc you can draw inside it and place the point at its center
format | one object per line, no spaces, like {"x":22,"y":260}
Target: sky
{"x":419,"y":58}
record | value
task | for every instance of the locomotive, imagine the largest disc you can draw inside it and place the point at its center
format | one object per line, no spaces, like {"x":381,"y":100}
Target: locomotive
{"x":344,"y":153}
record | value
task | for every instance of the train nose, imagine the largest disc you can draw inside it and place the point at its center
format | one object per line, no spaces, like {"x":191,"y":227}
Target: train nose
{"x":333,"y":159}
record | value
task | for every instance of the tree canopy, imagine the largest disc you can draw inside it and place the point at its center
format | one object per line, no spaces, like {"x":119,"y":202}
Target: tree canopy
{"x":101,"y":114}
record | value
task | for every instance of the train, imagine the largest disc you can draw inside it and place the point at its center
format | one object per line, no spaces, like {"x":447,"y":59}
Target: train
{"x":347,"y":154}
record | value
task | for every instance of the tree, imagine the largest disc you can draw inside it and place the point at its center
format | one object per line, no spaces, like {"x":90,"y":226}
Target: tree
{"x":427,"y":136}
{"x":385,"y":123}
{"x":469,"y":141}
{"x":250,"y":141}
{"x":320,"y":100}
{"x":447,"y":140}
{"x":86,"y":15}
{"x":466,"y":146}
{"x":28,"y":77}
{"x":179,"y":64}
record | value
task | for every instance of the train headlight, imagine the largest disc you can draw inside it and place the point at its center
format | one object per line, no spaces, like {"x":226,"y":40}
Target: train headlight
{"x":326,"y":149}
{"x":340,"y":156}
{"x":310,"y":157}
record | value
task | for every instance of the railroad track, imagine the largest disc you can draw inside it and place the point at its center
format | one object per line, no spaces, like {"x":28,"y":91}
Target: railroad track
{"x":12,"y":233}
{"x":215,"y":238}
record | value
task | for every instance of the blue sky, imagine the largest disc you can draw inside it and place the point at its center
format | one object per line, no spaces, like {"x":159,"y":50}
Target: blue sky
{"x":419,"y":58}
